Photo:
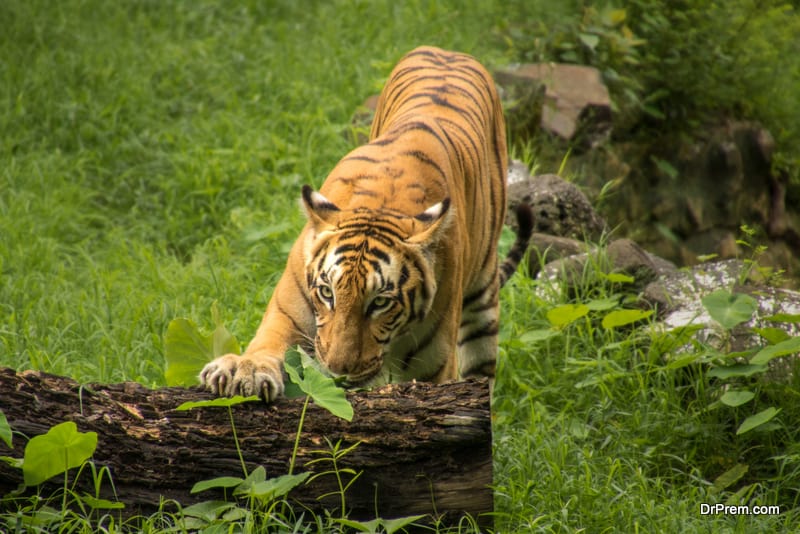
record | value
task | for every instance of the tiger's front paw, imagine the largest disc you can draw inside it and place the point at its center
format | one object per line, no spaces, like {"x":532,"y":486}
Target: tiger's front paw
{"x":244,"y":375}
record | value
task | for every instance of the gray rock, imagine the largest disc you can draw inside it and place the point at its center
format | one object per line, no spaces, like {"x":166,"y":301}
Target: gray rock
{"x":620,"y":256}
{"x":569,"y":101}
{"x":547,"y":249}
{"x":559,"y":207}
{"x":679,"y":295}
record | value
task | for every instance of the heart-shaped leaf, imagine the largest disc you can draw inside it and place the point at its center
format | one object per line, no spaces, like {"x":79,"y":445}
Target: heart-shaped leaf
{"x":740,"y":369}
{"x":729,"y":309}
{"x":57,"y":451}
{"x":737,"y":398}
{"x":617,"y":318}
{"x":187,"y":350}
{"x":322,"y":389}
{"x":563,"y":315}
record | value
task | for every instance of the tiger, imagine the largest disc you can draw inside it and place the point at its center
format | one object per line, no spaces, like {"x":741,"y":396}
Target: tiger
{"x":395,"y":275}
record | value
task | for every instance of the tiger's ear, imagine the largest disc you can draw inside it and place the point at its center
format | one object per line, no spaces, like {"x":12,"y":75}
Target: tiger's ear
{"x":434,"y":221}
{"x":319,"y":210}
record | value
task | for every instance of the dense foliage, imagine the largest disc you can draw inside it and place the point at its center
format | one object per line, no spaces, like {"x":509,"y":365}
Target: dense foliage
{"x":674,"y":66}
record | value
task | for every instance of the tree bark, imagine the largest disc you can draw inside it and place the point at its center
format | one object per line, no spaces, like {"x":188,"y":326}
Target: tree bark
{"x":423,"y":448}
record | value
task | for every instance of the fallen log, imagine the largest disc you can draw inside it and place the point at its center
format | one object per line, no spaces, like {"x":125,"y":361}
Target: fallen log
{"x":423,"y":448}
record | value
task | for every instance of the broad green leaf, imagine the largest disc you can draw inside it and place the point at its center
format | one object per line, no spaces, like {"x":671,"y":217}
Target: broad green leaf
{"x":535,"y":336}
{"x":222,"y":341}
{"x":772,"y":335}
{"x":277,"y":487}
{"x":757,"y":420}
{"x":208,"y":510}
{"x":57,"y":451}
{"x":784,"y":318}
{"x":235,"y":515}
{"x":292,"y":390}
{"x":5,"y":430}
{"x":737,"y":398}
{"x":729,"y":309}
{"x":225,"y":402}
{"x":736,"y":370}
{"x":565,"y":314}
{"x":327,"y":394}
{"x":608,"y":303}
{"x":293,"y":364}
{"x":219,"y":482}
{"x":619,"y":318}
{"x":784,"y":348}
{"x":186,"y":350}
{"x":729,"y":477}
{"x":259,"y":474}
{"x":322,"y":389}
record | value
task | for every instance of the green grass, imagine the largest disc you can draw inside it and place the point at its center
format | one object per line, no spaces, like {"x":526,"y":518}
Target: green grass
{"x":151,"y":158}
{"x":607,"y":438}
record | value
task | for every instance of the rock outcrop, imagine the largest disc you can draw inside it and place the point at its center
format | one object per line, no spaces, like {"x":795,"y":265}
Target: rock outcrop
{"x":570,"y":102}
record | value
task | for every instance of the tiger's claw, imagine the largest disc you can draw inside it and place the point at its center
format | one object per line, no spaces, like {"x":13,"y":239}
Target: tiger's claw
{"x":231,"y":375}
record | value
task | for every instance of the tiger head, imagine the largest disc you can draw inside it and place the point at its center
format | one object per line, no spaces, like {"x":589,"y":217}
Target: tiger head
{"x":370,"y":279}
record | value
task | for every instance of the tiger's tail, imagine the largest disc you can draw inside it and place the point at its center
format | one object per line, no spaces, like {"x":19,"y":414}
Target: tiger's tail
{"x":520,"y":246}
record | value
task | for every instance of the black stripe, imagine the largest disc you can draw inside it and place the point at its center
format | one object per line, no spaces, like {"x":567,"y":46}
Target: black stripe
{"x":489,"y":330}
{"x":418,"y":126}
{"x":366,"y":193}
{"x":296,"y":326}
{"x":403,"y":277}
{"x":472,"y":297}
{"x":424,"y":158}
{"x":380,"y":254}
{"x":303,"y":291}
{"x":362,"y":158}
{"x":483,"y":307}
{"x":421,"y":345}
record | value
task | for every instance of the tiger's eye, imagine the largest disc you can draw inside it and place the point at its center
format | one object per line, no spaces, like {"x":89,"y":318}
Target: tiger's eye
{"x":380,"y":302}
{"x":325,"y":292}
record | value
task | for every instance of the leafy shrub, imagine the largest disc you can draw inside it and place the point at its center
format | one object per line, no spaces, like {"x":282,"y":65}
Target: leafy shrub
{"x":673,"y":65}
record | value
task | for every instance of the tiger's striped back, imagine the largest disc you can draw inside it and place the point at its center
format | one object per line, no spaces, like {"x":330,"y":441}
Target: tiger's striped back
{"x":438,"y":136}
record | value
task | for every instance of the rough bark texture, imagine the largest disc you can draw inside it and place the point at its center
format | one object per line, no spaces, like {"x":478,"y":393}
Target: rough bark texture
{"x":424,"y":448}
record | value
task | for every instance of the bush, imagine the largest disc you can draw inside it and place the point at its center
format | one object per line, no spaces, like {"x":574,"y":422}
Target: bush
{"x":674,"y":65}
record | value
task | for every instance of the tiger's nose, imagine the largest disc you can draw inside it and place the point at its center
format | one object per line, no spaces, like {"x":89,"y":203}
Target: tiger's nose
{"x":339,"y":366}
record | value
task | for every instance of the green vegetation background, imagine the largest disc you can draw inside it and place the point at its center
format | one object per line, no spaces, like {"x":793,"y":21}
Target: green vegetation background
{"x":151,"y":155}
